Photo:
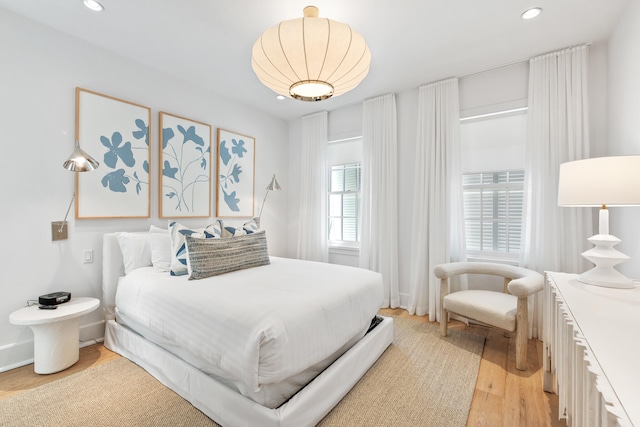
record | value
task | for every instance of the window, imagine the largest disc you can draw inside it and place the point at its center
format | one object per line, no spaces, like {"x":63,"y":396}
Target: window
{"x":493,"y":153}
{"x":344,"y":204}
{"x":493,"y":213}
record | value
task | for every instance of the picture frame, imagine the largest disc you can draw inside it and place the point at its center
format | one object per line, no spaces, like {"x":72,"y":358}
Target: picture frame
{"x":116,"y":133}
{"x":184,"y":167}
{"x":235,"y":174}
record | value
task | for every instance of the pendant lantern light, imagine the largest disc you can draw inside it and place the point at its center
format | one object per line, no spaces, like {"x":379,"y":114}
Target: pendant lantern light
{"x":311,"y":58}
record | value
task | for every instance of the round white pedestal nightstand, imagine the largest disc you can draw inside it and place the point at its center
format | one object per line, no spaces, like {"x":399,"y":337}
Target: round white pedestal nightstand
{"x":55,"y":332}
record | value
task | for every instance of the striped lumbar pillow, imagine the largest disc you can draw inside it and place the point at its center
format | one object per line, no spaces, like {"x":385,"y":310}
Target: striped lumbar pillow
{"x":211,"y":257}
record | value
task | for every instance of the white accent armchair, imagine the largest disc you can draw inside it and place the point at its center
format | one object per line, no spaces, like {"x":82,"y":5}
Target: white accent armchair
{"x":507,"y":310}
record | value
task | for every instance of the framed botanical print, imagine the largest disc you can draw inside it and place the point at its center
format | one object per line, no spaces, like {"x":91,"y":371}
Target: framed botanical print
{"x":236,"y":174}
{"x":185,"y":168}
{"x":116,"y":134}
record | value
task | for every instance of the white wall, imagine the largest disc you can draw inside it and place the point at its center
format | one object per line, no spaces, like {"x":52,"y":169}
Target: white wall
{"x":624,"y":128}
{"x":40,"y":70}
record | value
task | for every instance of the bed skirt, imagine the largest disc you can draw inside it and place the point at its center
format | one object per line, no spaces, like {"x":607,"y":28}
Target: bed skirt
{"x":229,"y":408}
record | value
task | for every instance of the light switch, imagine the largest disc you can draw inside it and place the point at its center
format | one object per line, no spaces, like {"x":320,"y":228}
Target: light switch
{"x":88,"y":256}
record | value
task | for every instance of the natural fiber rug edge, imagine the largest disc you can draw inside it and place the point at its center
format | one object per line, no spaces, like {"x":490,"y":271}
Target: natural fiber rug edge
{"x":409,"y":385}
{"x":421,"y":379}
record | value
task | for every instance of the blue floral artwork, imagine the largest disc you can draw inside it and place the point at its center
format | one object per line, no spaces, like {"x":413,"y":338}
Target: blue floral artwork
{"x":116,"y":133}
{"x":236,"y":157}
{"x":185,"y":161}
{"x":118,"y":178}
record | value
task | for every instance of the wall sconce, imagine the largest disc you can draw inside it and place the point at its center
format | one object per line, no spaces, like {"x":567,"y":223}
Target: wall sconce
{"x":273,"y":185}
{"x":603,"y":181}
{"x":78,"y":161}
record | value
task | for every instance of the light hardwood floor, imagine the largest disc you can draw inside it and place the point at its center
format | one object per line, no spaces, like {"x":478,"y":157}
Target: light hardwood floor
{"x":23,"y":378}
{"x":503,"y":395}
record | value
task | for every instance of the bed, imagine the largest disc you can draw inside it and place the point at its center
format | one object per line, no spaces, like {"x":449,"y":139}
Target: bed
{"x":288,"y":356}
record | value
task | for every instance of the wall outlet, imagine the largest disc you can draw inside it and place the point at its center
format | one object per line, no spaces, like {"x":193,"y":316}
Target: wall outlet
{"x":87,"y":256}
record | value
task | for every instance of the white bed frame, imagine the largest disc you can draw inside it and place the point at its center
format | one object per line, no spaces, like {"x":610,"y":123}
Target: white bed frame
{"x":225,"y":406}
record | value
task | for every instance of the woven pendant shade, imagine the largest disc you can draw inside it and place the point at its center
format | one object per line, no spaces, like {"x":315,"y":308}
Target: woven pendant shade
{"x":311,"y":58}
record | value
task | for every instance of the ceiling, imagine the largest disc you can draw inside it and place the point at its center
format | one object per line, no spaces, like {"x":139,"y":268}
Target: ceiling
{"x":208,"y":42}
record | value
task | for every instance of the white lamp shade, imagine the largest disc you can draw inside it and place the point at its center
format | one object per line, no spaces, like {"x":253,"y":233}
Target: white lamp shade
{"x":311,"y":58}
{"x":610,"y":181}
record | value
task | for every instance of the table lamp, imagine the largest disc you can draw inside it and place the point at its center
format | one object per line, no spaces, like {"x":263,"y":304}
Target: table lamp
{"x":605,"y":182}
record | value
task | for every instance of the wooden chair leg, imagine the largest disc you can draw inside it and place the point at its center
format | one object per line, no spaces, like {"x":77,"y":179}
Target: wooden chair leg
{"x":444,"y":319}
{"x":522,"y":334}
{"x":444,"y":316}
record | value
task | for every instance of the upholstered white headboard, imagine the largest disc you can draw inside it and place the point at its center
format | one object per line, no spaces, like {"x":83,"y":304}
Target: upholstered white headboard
{"x":112,"y":270}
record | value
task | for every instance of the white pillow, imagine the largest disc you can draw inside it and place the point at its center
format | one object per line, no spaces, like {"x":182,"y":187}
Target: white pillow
{"x":177,"y":232}
{"x":160,"y":244}
{"x":136,"y":252}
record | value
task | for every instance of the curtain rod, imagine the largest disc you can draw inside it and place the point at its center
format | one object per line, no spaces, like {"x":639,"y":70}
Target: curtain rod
{"x":520,"y":61}
{"x":458,"y":77}
{"x":482,"y":71}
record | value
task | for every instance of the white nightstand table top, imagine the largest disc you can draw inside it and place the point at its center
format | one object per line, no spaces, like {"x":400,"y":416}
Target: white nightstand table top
{"x":33,"y":315}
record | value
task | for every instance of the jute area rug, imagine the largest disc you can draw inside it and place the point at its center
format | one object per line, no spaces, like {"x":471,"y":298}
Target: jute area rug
{"x":422,"y":379}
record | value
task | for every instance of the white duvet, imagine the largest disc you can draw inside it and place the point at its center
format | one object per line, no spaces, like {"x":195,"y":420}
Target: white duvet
{"x":255,"y":327}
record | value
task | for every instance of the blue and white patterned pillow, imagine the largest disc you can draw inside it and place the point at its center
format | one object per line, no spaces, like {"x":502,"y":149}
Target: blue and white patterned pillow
{"x":248,"y":227}
{"x":177,"y":232}
{"x":251,"y":226}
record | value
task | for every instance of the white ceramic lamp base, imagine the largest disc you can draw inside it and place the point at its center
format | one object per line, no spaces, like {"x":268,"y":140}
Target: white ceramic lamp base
{"x":605,"y":257}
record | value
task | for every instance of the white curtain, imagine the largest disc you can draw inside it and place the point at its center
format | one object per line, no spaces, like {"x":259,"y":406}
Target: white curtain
{"x":438,"y":222}
{"x":558,"y":132}
{"x":312,"y":221}
{"x":379,"y":236}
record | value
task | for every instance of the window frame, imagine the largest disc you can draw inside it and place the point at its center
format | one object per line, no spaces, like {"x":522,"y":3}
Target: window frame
{"x":490,"y":254}
{"x":345,"y":244}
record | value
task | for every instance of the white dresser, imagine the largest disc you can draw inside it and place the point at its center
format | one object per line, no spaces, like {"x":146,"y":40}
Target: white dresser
{"x":591,"y":340}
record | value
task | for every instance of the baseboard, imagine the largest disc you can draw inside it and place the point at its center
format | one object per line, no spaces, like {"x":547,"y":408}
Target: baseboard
{"x":92,"y":332}
{"x":15,"y":355}
{"x":21,"y":353}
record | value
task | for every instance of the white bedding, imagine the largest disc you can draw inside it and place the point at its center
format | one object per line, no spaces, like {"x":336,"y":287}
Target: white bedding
{"x":257,"y":327}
